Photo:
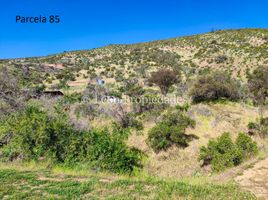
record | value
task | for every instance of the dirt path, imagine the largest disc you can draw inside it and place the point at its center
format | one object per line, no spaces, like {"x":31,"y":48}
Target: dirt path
{"x":255,"y":179}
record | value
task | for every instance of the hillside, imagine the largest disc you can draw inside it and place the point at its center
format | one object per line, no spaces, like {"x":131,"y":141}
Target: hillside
{"x":235,"y":51}
{"x":184,"y":117}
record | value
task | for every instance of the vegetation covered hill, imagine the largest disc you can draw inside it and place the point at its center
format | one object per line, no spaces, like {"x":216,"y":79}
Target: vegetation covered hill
{"x":234,"y":51}
{"x":189,"y":108}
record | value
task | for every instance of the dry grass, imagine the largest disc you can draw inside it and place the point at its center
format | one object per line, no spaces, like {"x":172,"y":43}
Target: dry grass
{"x":177,"y":162}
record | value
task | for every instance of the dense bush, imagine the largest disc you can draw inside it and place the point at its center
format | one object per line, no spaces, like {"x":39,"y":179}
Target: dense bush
{"x":215,"y":86}
{"x":246,"y":145}
{"x":171,"y":130}
{"x":35,"y":135}
{"x":103,"y":150}
{"x":222,"y":153}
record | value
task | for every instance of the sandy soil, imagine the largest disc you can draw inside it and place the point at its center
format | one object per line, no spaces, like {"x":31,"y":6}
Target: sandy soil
{"x":255,"y":179}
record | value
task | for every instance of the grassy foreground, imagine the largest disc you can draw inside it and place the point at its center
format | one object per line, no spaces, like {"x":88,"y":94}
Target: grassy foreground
{"x":46,"y":184}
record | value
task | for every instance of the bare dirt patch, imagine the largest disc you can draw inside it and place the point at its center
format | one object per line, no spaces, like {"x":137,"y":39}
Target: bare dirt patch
{"x":255,"y":179}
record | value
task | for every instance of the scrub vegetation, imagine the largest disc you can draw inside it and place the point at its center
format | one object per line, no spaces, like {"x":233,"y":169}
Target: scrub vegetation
{"x":129,"y":118}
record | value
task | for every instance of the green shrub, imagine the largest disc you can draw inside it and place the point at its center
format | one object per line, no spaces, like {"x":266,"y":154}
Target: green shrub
{"x":115,"y":93}
{"x":252,"y":125}
{"x":71,"y":98}
{"x":63,"y":84}
{"x":184,"y":108}
{"x":246,"y":145}
{"x":215,"y":86}
{"x":222,"y":153}
{"x":134,"y":91}
{"x":171,"y":130}
{"x":102,"y":151}
{"x":36,"y":135}
{"x":40,"y":88}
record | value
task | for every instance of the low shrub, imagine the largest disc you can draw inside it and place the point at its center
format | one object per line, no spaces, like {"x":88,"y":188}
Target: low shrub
{"x":88,"y":110}
{"x":71,"y":98}
{"x":222,"y":153}
{"x":129,"y":121}
{"x":115,"y":93}
{"x":246,"y":145}
{"x":102,"y":150}
{"x":184,"y":107}
{"x":134,"y":91}
{"x":126,"y":119}
{"x":40,"y":88}
{"x":148,"y":102}
{"x":36,"y":135}
{"x":171,"y":130}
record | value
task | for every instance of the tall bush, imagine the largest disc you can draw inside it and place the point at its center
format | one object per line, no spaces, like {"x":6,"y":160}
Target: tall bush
{"x":215,"y":86}
{"x":222,"y":153}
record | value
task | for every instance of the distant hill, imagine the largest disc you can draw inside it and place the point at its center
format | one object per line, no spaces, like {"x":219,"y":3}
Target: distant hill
{"x":234,"y":51}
